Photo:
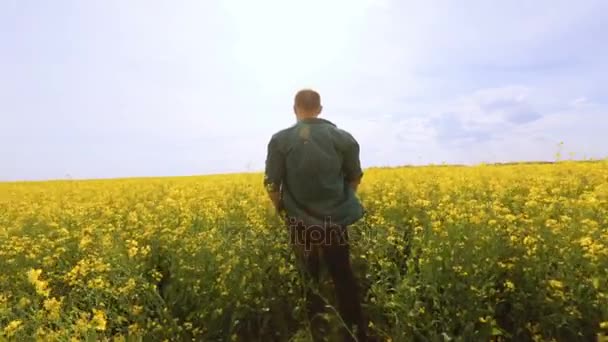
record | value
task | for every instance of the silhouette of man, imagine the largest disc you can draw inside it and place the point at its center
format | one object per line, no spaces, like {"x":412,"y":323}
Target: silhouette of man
{"x":312,"y":174}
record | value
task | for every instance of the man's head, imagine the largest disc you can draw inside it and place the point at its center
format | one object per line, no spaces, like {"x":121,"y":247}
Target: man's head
{"x":307,"y":104}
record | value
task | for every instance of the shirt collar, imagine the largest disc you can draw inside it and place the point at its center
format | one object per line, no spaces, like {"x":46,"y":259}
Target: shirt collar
{"x":317,"y":121}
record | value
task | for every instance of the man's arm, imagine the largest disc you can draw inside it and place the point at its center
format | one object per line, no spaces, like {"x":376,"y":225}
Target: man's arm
{"x":354,"y":184}
{"x":274,"y":174}
{"x":351,"y":164}
{"x":275,"y":197}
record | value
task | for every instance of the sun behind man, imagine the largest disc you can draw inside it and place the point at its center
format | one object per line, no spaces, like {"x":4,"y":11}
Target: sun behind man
{"x":312,"y":174}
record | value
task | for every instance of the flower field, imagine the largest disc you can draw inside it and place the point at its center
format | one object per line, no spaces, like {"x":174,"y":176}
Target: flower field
{"x":517,"y":252}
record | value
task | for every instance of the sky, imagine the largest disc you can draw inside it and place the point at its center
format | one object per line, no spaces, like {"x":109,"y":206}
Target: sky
{"x":122,"y":88}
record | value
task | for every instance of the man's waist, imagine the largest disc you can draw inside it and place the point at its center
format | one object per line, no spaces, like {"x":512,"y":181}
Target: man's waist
{"x":342,"y":213}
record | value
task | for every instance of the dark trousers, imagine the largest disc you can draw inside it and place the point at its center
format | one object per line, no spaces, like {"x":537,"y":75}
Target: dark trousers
{"x":330,"y":245}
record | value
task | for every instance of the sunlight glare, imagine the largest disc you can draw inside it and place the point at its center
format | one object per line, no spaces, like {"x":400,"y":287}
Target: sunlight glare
{"x":286,"y":42}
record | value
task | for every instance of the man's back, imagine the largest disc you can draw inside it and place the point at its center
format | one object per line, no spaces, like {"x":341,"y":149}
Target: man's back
{"x":314,"y":162}
{"x":312,"y":172}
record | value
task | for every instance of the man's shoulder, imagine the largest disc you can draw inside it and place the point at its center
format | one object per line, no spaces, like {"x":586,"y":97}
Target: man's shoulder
{"x":336,"y":131}
{"x":282,"y":133}
{"x":344,"y":132}
{"x":344,"y":136}
{"x":281,"y":138}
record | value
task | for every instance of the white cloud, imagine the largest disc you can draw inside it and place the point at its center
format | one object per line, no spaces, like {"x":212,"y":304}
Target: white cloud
{"x":135,"y":88}
{"x":487,"y":125}
{"x":579,"y":102}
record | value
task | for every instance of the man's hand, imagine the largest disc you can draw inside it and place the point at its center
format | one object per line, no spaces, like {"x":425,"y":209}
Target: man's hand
{"x":275,"y":197}
{"x":354,"y":184}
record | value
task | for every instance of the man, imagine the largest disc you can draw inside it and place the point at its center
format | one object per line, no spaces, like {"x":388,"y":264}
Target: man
{"x":312,"y":174}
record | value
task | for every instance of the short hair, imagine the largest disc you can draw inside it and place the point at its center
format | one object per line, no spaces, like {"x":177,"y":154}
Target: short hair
{"x":308,"y":99}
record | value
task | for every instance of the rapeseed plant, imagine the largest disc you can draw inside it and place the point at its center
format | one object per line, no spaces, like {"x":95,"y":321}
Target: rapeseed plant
{"x":514,"y":252}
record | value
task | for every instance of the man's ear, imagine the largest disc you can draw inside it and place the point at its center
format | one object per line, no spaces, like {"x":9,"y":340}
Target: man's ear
{"x":320,"y":109}
{"x":295,"y":110}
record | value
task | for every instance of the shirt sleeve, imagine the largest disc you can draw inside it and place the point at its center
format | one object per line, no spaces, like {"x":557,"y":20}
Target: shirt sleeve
{"x":275,"y":167}
{"x":351,"y":164}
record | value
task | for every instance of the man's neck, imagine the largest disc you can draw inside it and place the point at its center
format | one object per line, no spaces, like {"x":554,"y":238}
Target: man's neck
{"x":307,"y":117}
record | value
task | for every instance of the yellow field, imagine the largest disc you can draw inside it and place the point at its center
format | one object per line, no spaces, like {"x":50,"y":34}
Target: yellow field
{"x":468,"y":253}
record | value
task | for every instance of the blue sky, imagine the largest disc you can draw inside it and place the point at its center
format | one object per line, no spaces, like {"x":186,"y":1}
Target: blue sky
{"x":145,"y":88}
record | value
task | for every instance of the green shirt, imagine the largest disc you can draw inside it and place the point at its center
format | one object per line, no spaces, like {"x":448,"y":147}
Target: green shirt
{"x":311,"y":163}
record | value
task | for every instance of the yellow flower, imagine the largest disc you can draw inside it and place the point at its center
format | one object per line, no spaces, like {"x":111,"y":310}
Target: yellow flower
{"x":98,"y":322}
{"x":129,"y":286}
{"x":556,"y":284}
{"x":97,"y":283}
{"x":85,"y":242}
{"x":529,"y":240}
{"x":585,"y":241}
{"x":136,"y":309}
{"x":41,"y":333}
{"x":134,"y":329}
{"x":33,"y":276}
{"x":217,"y":230}
{"x":133,"y":248}
{"x":12,"y":328}
{"x":53,"y":307}
{"x":24,"y":302}
{"x":119,"y":338}
{"x":82,"y":324}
